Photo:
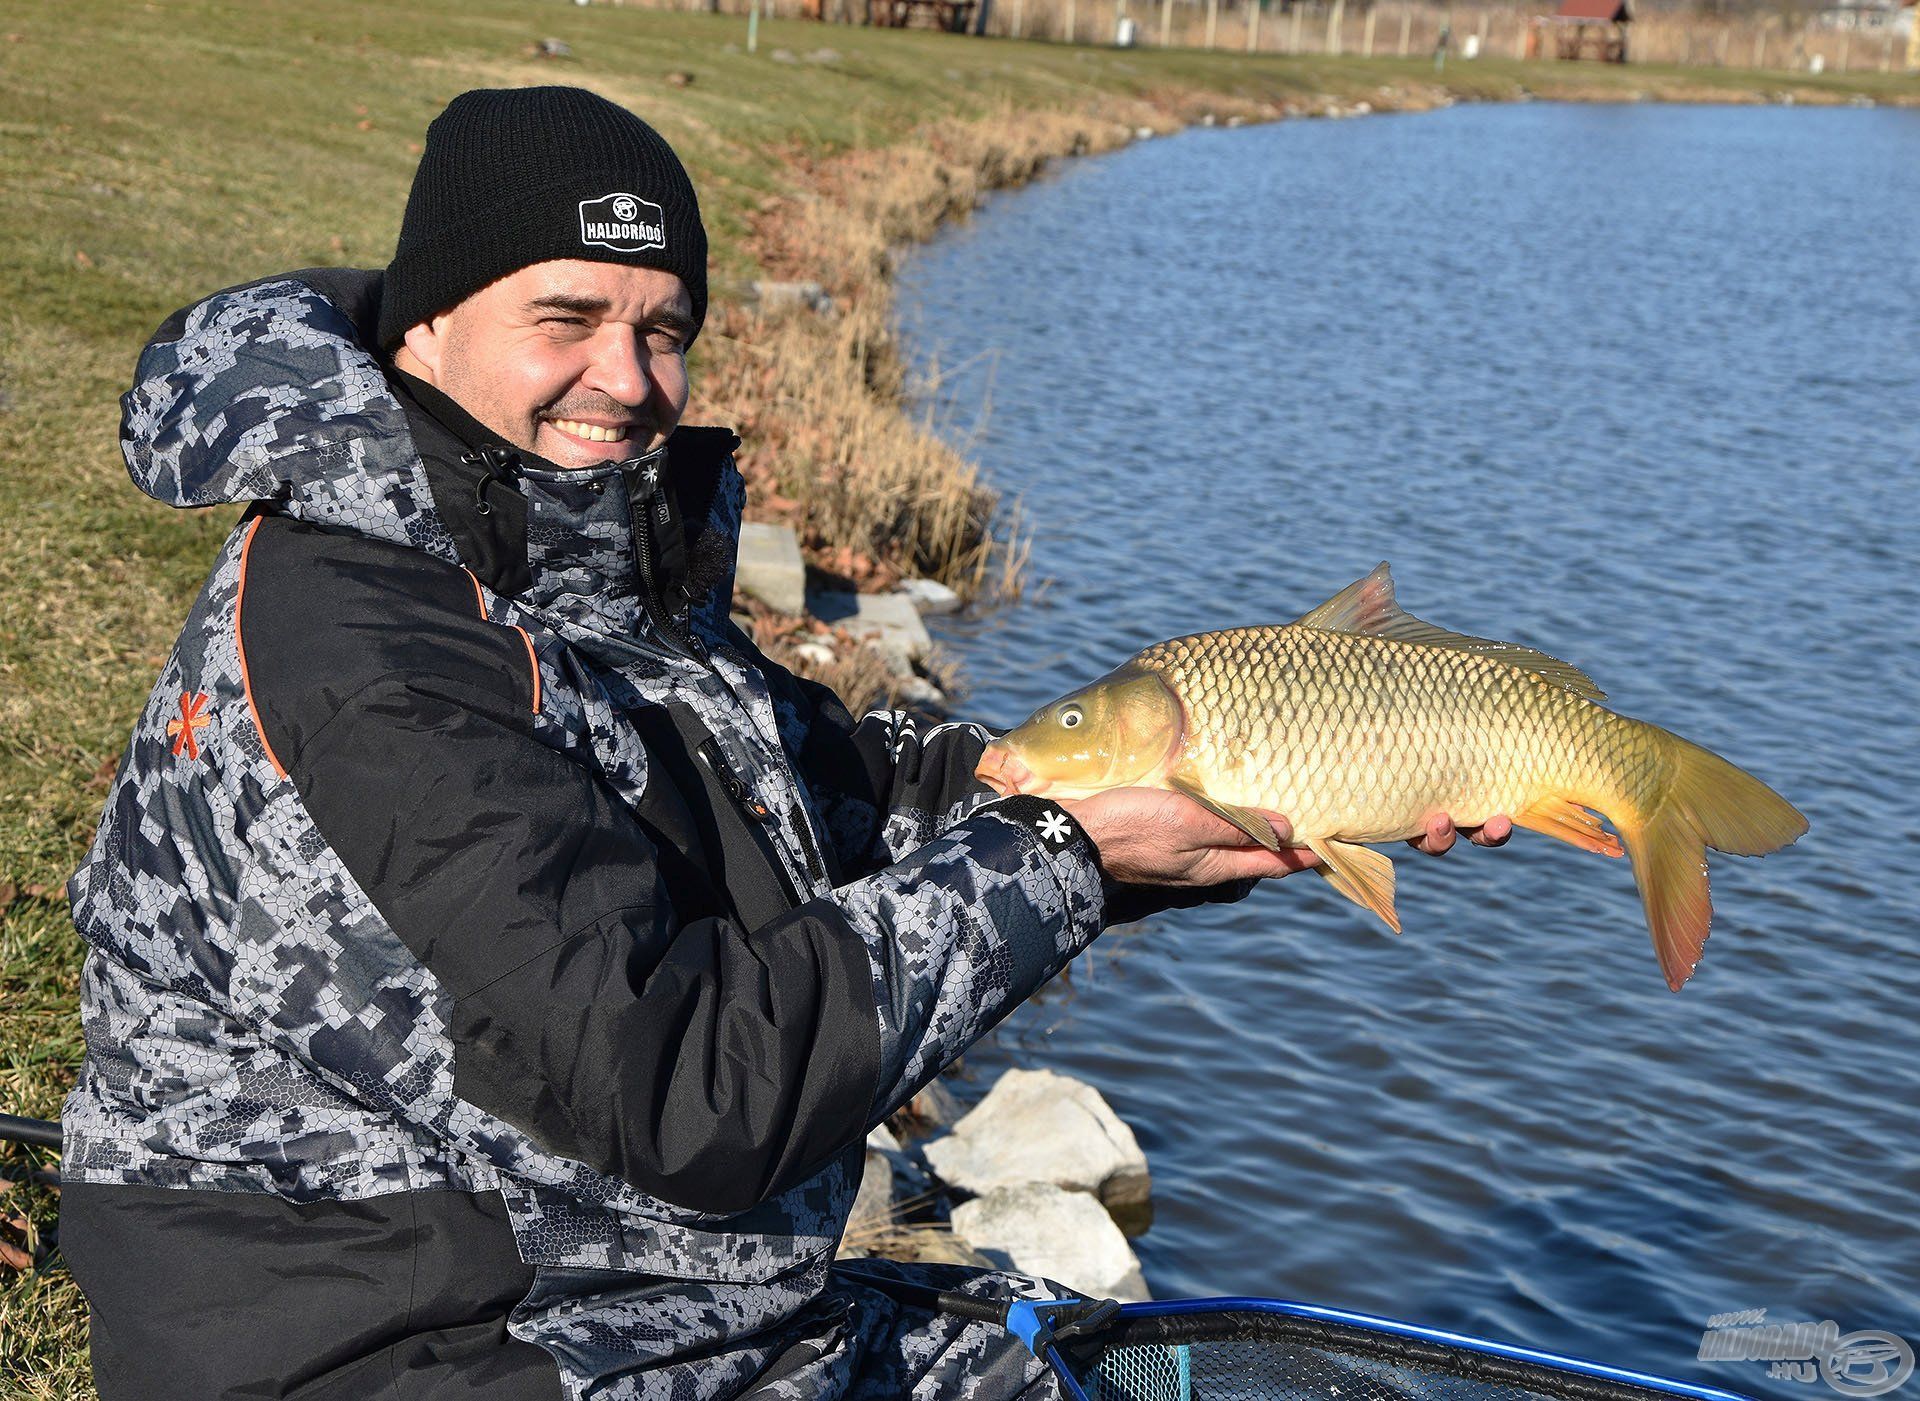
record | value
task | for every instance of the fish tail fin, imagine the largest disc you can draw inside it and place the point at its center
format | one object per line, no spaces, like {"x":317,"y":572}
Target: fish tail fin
{"x":1708,"y":802}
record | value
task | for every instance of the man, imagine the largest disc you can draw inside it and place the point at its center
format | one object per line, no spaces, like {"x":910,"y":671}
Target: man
{"x":496,"y":962}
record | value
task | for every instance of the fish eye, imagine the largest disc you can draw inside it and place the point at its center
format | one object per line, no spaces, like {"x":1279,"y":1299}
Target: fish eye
{"x":1070,"y":717}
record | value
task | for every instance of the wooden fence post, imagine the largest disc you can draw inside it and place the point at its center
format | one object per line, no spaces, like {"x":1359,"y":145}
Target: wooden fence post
{"x":1335,"y":18}
{"x":1213,"y":20}
{"x":1253,"y":26}
{"x":1293,"y":29}
{"x":1166,"y":23}
{"x":1406,"y":28}
{"x":1072,"y":18}
{"x":1367,"y":43}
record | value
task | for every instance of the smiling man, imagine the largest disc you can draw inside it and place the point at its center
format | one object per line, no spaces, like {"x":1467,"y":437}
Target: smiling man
{"x":496,"y":963}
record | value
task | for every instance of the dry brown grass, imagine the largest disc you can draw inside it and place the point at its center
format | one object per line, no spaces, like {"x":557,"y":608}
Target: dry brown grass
{"x":873,"y":492}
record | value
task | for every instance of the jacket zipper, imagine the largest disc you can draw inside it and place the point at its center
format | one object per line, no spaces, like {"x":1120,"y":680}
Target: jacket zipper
{"x":642,"y":476}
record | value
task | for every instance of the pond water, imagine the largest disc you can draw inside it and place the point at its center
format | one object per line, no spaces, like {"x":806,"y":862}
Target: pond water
{"x":1636,"y":385}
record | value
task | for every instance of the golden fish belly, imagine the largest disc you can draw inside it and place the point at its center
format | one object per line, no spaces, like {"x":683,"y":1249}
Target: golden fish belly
{"x":1363,"y":738}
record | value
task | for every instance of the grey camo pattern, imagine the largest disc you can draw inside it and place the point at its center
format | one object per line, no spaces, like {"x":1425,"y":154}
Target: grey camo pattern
{"x":253,"y":1025}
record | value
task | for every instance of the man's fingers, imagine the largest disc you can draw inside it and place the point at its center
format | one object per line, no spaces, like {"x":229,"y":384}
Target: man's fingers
{"x":1255,"y":863}
{"x":1437,"y":840}
{"x":1494,"y":833}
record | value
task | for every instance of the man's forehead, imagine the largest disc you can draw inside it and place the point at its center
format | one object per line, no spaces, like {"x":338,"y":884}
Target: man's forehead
{"x":608,"y":289}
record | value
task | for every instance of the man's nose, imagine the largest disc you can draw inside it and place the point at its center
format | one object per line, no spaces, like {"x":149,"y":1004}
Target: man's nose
{"x":619,"y":368}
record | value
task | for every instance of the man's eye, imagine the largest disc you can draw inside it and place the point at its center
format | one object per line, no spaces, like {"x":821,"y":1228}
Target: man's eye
{"x":563,"y":321}
{"x":666,"y":343}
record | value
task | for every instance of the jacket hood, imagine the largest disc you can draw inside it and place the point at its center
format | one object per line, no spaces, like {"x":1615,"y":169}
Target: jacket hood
{"x":271,"y":392}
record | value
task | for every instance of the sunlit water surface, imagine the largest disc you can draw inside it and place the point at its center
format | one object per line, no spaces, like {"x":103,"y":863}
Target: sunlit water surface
{"x":1640,"y":386}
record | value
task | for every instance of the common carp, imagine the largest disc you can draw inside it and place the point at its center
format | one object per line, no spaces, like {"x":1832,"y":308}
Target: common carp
{"x":1359,"y":721}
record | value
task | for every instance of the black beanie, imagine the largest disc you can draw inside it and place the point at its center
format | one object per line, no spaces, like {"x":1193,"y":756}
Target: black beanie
{"x":515,"y":176}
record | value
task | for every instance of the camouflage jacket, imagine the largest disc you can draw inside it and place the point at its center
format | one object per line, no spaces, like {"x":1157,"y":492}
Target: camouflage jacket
{"x":463,"y":850}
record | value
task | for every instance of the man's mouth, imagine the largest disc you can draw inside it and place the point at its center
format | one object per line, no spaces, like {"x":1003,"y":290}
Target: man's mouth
{"x":592,"y":432}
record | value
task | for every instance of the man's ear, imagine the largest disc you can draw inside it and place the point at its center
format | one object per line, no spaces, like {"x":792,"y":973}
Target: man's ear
{"x":422,"y":349}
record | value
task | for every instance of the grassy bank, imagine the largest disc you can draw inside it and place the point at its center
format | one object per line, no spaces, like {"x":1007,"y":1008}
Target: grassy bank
{"x":152,"y":153}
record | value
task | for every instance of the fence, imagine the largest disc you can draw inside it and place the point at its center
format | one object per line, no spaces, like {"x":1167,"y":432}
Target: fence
{"x":1396,"y":27}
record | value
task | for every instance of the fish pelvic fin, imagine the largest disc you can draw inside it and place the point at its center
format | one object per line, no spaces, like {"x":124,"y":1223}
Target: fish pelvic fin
{"x":1360,"y":873}
{"x":1708,"y":803}
{"x":1565,"y":820}
{"x":1246,"y":819}
{"x":1368,"y":606}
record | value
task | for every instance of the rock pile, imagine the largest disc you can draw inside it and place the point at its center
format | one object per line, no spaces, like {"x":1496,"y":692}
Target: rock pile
{"x":1053,"y":1183}
{"x":771,"y":570}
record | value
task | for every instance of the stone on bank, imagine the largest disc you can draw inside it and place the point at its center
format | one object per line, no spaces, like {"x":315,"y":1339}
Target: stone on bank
{"x":1039,"y":1126}
{"x":1067,"y":1237}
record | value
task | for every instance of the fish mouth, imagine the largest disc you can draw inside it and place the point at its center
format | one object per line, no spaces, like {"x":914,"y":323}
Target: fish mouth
{"x":1006,"y":773}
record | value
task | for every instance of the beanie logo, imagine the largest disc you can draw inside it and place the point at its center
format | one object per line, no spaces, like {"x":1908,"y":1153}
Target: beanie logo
{"x":625,"y":223}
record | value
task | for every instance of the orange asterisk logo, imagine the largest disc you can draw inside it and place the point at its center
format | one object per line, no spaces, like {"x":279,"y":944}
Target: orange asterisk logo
{"x":181,"y":731}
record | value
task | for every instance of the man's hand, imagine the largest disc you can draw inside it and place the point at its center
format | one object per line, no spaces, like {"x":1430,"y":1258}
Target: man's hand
{"x":1150,"y":837}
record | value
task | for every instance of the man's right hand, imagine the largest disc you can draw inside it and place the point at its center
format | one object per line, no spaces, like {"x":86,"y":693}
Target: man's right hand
{"x":1150,"y":837}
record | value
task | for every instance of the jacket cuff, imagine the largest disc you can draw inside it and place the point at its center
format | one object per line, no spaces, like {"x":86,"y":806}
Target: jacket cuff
{"x":1071,"y":856}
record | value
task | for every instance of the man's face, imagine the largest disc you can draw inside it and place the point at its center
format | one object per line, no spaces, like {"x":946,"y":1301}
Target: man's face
{"x":579,"y":362}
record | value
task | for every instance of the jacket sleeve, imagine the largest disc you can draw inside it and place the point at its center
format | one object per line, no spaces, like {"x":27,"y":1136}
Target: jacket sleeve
{"x":704,"y":1065}
{"x":887,"y":783}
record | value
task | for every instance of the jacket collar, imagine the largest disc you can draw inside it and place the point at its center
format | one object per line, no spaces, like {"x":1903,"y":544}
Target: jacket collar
{"x":627,"y":547}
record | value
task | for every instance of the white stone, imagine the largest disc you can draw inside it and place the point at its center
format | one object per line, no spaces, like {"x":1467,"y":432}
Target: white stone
{"x":888,"y":621}
{"x":770,"y":566}
{"x":1062,"y":1236}
{"x":880,"y":1138}
{"x":814,"y":653}
{"x":919,"y":692}
{"x":1039,"y":1126}
{"x":931,"y":596}
{"x":810,"y":295}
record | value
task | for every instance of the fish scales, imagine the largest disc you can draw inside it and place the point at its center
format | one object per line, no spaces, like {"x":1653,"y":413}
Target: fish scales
{"x":1362,"y":738}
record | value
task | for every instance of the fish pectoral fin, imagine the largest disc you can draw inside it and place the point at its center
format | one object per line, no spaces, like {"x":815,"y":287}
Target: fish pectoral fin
{"x":1360,"y":873}
{"x":1567,"y":821}
{"x":1246,"y":819}
{"x":1369,"y":606}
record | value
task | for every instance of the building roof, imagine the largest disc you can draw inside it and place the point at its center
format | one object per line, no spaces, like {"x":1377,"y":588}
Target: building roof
{"x":1607,"y":11}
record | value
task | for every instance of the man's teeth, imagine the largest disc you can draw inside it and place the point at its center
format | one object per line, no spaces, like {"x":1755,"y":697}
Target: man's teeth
{"x":592,"y":432}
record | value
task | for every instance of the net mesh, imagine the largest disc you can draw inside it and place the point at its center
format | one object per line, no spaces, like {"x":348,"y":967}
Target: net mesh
{"x":1260,"y":1358}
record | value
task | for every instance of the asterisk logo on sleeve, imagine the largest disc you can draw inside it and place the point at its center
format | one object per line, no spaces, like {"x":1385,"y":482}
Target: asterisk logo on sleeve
{"x":192,"y":717}
{"x":1054,"y":828}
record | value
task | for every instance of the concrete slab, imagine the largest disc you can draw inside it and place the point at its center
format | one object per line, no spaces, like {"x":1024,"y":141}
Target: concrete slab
{"x":770,"y":566}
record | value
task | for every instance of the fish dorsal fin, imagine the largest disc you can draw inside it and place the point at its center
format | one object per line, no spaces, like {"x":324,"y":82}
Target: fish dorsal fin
{"x":1368,"y":606}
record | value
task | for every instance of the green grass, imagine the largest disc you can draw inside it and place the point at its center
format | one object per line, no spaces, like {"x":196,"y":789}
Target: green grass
{"x":150,"y":153}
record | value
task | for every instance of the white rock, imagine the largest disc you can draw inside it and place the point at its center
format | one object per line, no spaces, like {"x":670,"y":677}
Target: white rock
{"x":888,"y":621}
{"x":920,"y":692}
{"x":881,"y":1139}
{"x":810,"y":295}
{"x":814,"y":653}
{"x":930,"y":596}
{"x":1062,"y":1236}
{"x":1039,"y":1126}
{"x":770,"y":566}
